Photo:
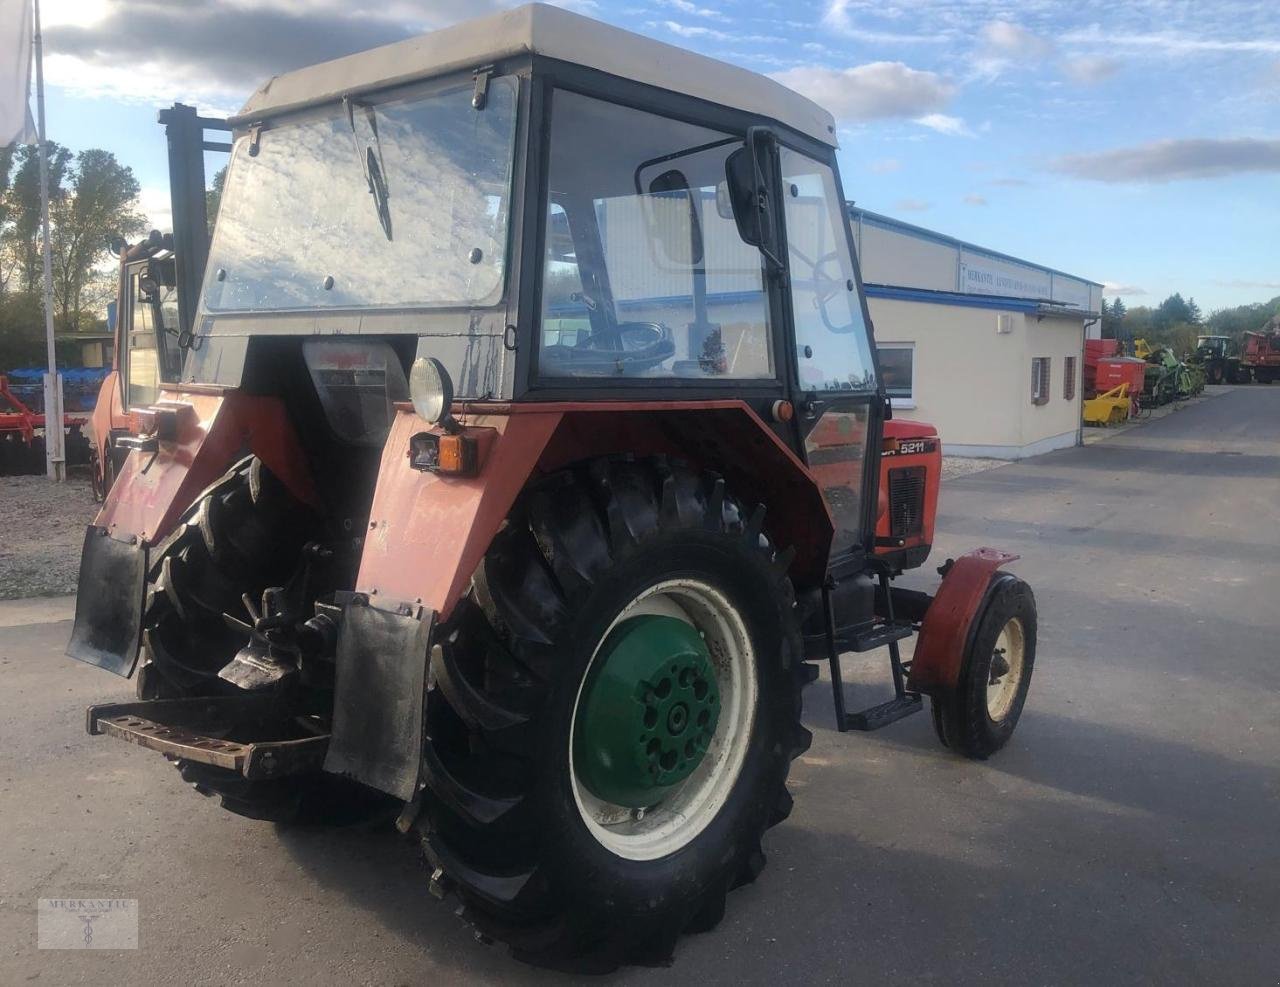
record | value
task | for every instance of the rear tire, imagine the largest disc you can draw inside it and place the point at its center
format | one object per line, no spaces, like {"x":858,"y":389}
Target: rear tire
{"x":564,"y":881}
{"x":245,"y":532}
{"x":981,"y":715}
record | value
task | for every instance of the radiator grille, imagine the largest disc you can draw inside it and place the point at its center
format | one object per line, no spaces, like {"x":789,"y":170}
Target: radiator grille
{"x":906,"y":501}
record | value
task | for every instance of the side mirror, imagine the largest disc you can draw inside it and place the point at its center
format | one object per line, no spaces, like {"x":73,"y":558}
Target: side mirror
{"x":748,"y":191}
{"x":682,"y":246}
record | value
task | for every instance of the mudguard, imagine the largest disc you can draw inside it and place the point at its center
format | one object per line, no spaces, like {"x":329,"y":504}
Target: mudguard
{"x":949,"y":621}
{"x":379,"y":704}
{"x":108,"y":624}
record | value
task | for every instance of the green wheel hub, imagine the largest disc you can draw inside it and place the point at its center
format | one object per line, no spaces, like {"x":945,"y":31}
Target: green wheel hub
{"x":648,"y":711}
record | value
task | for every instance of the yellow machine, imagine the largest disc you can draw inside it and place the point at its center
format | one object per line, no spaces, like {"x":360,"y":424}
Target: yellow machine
{"x":1109,"y":408}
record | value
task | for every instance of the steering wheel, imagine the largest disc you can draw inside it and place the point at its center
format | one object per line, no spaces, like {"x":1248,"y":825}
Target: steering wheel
{"x":627,"y":347}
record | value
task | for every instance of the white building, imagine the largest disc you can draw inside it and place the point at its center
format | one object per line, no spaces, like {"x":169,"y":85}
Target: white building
{"x":985,"y":346}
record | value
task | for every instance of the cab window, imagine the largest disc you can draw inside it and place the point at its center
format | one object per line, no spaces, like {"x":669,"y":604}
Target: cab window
{"x":832,"y":349}
{"x":644,"y":273}
{"x":152,"y":356}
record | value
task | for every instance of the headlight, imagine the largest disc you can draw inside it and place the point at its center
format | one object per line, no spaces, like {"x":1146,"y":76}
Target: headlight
{"x":430,"y":389}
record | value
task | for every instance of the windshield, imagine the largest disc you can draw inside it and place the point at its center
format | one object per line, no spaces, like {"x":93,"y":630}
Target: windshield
{"x":401,"y":203}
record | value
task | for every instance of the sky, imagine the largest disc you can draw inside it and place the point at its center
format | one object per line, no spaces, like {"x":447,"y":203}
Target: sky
{"x":1131,"y":142}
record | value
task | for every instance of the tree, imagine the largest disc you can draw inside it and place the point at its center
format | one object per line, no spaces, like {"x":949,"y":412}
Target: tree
{"x":1172,"y":311}
{"x":20,"y":232}
{"x":90,"y":198}
{"x":1118,"y":310}
{"x":100,"y":202}
{"x":213,"y":196}
{"x":1193,"y":311}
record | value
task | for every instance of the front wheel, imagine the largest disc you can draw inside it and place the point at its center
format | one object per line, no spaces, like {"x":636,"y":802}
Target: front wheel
{"x":980,"y":716}
{"x":617,"y":704}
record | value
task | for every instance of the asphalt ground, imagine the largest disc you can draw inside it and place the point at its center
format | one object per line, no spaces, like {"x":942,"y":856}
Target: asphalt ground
{"x":1128,"y":834}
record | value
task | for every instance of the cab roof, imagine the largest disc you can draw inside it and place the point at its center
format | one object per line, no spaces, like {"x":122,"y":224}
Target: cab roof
{"x":543,"y":30}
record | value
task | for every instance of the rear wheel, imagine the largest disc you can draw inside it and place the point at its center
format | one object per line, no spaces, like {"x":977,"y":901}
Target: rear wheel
{"x":243,"y":534}
{"x":980,"y":717}
{"x":616,"y":706}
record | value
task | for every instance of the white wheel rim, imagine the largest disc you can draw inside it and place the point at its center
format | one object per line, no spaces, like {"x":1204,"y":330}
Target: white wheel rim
{"x":685,"y":811}
{"x":1003,"y":688}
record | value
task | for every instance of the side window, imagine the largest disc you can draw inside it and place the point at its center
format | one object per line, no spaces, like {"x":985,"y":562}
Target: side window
{"x":897,"y":370}
{"x":142,"y":359}
{"x":1040,"y":380}
{"x":645,"y":274}
{"x":833,"y":353}
{"x":1069,"y":378}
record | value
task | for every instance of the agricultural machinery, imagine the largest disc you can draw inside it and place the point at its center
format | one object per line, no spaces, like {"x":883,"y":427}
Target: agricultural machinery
{"x":528,"y":451}
{"x":1260,"y":354}
{"x":22,"y":443}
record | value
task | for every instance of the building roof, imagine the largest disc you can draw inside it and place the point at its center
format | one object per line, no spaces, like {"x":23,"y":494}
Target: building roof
{"x":910,"y":263}
{"x":910,"y":229}
{"x":553,"y":32}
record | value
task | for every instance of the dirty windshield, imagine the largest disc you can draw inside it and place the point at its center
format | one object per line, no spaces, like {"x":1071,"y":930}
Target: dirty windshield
{"x":401,"y":203}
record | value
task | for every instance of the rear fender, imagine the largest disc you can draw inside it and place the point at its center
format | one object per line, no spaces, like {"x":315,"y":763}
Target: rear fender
{"x":429,"y":532}
{"x":209,"y":431}
{"x":198,"y":436}
{"x":950,"y":620}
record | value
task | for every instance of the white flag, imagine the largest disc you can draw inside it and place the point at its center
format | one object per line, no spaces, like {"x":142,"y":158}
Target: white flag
{"x":15,"y":73}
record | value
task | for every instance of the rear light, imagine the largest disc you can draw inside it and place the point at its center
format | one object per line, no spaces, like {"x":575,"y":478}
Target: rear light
{"x":456,"y":455}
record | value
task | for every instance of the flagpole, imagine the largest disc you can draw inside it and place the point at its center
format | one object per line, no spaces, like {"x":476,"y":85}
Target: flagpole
{"x":54,"y":437}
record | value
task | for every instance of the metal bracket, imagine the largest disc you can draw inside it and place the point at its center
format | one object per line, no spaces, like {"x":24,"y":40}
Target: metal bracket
{"x":480,"y":95}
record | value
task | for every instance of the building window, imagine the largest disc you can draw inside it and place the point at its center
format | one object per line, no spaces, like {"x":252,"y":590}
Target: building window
{"x":1040,"y":380}
{"x":897,"y":370}
{"x":1069,"y":379}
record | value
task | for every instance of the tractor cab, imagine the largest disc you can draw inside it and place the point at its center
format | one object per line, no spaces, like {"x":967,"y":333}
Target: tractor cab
{"x":147,"y":355}
{"x":530,"y":447}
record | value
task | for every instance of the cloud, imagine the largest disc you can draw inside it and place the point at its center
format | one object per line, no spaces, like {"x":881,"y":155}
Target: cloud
{"x":912,"y":205}
{"x":1009,"y":182}
{"x":875,"y":91}
{"x":151,"y":49}
{"x":1267,"y":285}
{"x":1112,"y":288}
{"x":1174,"y":160}
{"x":1087,"y":70}
{"x":976,"y":200}
{"x":884,"y":166}
{"x":685,"y":7}
{"x":1174,"y":44}
{"x":1014,"y":40}
{"x":837,"y":18}
{"x":943,"y":124}
{"x":157,"y":207}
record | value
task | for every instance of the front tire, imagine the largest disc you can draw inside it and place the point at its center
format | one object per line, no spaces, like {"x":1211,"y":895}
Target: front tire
{"x":541,"y":855}
{"x":981,"y":715}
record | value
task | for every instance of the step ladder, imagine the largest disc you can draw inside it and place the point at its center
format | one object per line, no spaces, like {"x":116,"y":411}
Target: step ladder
{"x":887,"y":632}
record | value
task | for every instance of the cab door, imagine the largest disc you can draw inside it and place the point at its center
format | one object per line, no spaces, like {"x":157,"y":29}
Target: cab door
{"x":838,"y":406}
{"x":150,"y":356}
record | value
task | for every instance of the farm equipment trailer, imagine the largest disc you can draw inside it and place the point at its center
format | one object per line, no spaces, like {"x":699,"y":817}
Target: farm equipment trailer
{"x":555,"y":593}
{"x":22,"y":449}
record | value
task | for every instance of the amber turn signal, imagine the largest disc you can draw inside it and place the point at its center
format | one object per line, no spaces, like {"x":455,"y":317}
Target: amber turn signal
{"x":456,"y":455}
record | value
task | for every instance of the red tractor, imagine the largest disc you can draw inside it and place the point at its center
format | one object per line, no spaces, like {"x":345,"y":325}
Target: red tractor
{"x":529,"y":450}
